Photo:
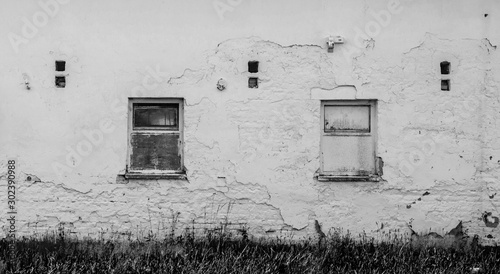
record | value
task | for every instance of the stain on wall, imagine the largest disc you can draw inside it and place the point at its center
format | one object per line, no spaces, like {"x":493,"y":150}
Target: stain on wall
{"x":490,"y":220}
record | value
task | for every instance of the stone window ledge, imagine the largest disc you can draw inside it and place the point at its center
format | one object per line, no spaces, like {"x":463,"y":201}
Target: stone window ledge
{"x":156,"y":176}
{"x":345,"y":178}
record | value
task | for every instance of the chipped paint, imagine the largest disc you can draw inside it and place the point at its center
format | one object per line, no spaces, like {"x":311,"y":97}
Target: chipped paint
{"x":489,"y":220}
{"x":457,"y":231}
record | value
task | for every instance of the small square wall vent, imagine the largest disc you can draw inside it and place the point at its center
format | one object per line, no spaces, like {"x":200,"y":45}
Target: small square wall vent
{"x":60,"y":65}
{"x":60,"y":81}
{"x":253,"y":66}
{"x":445,"y":85}
{"x":445,"y":67}
{"x":253,"y":82}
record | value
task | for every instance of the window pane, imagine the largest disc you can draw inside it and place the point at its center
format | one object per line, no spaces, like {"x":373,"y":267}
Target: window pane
{"x":347,"y":118}
{"x":157,"y":116}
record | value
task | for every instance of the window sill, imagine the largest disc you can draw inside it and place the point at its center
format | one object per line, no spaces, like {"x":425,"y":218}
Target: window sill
{"x":156,"y":176}
{"x":345,"y":178}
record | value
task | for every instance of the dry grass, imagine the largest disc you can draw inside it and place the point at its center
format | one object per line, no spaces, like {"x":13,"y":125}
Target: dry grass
{"x":224,"y":254}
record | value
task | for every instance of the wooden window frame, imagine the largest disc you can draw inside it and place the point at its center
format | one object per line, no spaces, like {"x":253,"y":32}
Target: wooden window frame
{"x":322,"y":175}
{"x":149,"y":173}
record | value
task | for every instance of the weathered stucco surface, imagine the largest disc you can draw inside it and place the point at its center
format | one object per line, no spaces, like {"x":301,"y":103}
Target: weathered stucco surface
{"x":251,"y":154}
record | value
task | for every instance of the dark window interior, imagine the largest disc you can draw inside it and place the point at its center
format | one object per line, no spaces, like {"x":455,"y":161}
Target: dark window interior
{"x":158,"y":116}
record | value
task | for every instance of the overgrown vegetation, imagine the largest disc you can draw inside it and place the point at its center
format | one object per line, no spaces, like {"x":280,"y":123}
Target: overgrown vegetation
{"x":222,"y":253}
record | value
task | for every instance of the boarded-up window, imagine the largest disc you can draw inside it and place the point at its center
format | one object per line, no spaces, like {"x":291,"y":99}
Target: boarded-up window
{"x":340,"y":118}
{"x":155,"y":136}
{"x":348,"y":137}
{"x":155,"y":151}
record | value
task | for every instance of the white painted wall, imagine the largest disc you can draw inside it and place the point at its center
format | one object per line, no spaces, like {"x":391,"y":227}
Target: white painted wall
{"x":251,"y":153}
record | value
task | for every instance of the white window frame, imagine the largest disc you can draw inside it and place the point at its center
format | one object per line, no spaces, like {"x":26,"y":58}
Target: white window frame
{"x":373,"y":175}
{"x":155,"y":174}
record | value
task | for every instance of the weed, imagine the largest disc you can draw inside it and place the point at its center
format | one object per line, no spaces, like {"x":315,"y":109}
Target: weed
{"x":218,"y":252}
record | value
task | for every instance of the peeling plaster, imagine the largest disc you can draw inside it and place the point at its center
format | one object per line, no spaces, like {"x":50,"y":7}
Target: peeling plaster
{"x":251,"y":153}
{"x":489,"y":220}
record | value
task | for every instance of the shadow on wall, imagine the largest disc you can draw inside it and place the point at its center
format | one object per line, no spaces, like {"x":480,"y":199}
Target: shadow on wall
{"x":456,"y":236}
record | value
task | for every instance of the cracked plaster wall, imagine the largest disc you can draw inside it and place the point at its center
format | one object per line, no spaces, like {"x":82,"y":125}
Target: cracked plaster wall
{"x":251,"y":154}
